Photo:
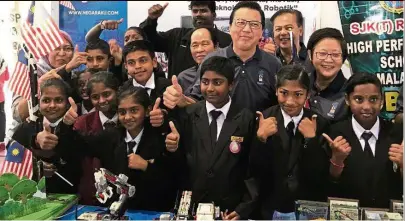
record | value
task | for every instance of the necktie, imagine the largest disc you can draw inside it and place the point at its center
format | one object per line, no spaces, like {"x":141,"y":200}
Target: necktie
{"x":109,"y":124}
{"x":131,"y":146}
{"x":213,"y":127}
{"x":290,"y":132}
{"x":367,"y":148}
{"x":52,"y":129}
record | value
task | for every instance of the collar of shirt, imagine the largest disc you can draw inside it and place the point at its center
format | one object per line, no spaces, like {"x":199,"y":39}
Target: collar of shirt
{"x":104,"y":119}
{"x":137,"y":139}
{"x":150,"y":84}
{"x":302,"y":54}
{"x":287,"y":118}
{"x":224,"y":109}
{"x":84,"y":110}
{"x":230,"y":53}
{"x":333,"y":88}
{"x":359,"y":130}
{"x":56,"y":123}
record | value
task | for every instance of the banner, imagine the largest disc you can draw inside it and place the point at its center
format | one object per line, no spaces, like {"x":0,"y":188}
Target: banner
{"x":374,"y":32}
{"x":78,"y":17}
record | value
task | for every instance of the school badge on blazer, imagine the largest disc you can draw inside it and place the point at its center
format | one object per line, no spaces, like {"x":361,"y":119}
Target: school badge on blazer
{"x":235,"y":145}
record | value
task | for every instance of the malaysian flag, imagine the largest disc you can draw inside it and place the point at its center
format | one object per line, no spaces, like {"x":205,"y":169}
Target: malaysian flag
{"x":20,"y":80}
{"x":40,"y":33}
{"x":67,"y":4}
{"x":18,"y":161}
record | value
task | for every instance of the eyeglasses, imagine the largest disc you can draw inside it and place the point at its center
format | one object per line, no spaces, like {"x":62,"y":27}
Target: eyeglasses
{"x":324,"y":55}
{"x":241,"y":23}
{"x":65,"y":49}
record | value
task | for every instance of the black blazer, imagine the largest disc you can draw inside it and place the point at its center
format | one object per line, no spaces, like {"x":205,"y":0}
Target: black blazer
{"x":285,"y":177}
{"x":156,"y":188}
{"x":215,"y":174}
{"x":353,"y":184}
{"x":64,"y":159}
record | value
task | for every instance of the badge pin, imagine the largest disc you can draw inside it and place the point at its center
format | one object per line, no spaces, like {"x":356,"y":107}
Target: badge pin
{"x":234,"y":147}
{"x":237,"y":139}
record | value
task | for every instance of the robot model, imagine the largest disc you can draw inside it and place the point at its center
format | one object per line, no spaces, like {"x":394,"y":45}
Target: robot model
{"x":104,"y":179}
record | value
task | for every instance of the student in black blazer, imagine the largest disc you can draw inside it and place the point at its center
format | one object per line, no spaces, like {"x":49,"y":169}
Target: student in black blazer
{"x":366,"y":162}
{"x":140,"y":61}
{"x":45,"y":145}
{"x":288,"y":160}
{"x":136,"y":150}
{"x":215,"y":136}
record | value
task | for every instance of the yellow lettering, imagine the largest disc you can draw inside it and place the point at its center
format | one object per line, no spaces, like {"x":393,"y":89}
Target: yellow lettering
{"x":391,"y":100}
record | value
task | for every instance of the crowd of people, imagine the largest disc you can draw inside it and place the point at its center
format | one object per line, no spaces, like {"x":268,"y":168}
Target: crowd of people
{"x":252,"y":129}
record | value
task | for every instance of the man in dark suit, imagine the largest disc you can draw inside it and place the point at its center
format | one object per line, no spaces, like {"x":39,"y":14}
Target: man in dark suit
{"x":215,"y":137}
{"x":176,"y":42}
{"x":366,"y":162}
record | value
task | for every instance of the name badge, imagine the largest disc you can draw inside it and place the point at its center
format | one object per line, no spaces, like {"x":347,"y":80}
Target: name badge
{"x":237,"y":139}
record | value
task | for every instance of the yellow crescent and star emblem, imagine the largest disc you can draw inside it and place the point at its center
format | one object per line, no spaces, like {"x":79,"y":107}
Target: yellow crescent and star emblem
{"x":15,"y":152}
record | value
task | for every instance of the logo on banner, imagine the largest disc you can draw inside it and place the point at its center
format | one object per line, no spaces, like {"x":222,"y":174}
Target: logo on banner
{"x":393,"y":6}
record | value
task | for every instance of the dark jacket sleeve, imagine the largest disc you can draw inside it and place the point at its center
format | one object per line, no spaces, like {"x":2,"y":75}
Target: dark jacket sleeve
{"x":161,"y":40}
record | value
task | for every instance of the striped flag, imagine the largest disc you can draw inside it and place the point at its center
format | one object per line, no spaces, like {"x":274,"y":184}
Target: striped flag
{"x":40,"y":32}
{"x":67,"y":4}
{"x":19,"y":82}
{"x":18,"y":161}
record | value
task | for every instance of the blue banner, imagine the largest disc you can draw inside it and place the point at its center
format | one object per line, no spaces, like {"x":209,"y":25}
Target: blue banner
{"x":78,"y":17}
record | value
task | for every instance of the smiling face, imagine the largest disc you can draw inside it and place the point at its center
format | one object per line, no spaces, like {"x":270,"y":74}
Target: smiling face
{"x":283,"y":24}
{"x":244,"y":37}
{"x":131,"y":114}
{"x":329,"y":66}
{"x":201,"y":44}
{"x":53,"y":104}
{"x":202,"y":15}
{"x":82,"y":85}
{"x":103,"y":98}
{"x":140,"y":66}
{"x":365,"y":103}
{"x":61,"y":55}
{"x":292,"y":96}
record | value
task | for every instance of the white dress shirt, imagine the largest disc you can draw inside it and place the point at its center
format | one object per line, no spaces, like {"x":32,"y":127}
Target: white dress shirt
{"x":84,"y":110}
{"x":150,"y":84}
{"x":221,"y":118}
{"x":359,"y":130}
{"x":287,"y":119}
{"x":53,"y":125}
{"x":137,"y":139}
{"x":104,"y":119}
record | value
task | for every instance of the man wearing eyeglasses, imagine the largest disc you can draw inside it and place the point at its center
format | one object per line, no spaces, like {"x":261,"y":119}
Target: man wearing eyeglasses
{"x":176,"y":42}
{"x":254,"y":84}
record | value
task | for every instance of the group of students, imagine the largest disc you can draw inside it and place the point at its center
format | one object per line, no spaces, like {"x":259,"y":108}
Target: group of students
{"x":317,"y":135}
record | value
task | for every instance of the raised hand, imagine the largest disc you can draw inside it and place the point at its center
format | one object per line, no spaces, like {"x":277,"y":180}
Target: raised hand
{"x":173,"y":94}
{"x":172,"y":139}
{"x":46,"y":139}
{"x":49,"y":75}
{"x":157,"y":115}
{"x":111,"y":24}
{"x":395,"y":154}
{"x":267,"y":127}
{"x":78,"y":59}
{"x":340,"y":148}
{"x":156,"y":11}
{"x":307,"y":127}
{"x":116,"y":51}
{"x":136,"y":162}
{"x":270,"y":46}
{"x":71,"y":115}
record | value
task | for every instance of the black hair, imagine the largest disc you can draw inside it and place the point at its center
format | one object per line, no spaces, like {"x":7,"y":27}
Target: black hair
{"x":138,"y":45}
{"x":360,"y":79}
{"x":293,"y":72}
{"x":210,"y":4}
{"x":59,"y":84}
{"x":322,"y":33}
{"x":220,"y":65}
{"x":138,"y":94}
{"x":87,"y":70}
{"x":212,"y":33}
{"x":105,"y":77}
{"x":251,"y":5}
{"x":298,"y":15}
{"x":139,"y":31}
{"x":100,"y":44}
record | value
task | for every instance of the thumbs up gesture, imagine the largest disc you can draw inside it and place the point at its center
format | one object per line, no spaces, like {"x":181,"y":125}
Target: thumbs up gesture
{"x":395,"y":154}
{"x":173,"y":94}
{"x":270,"y":46}
{"x":267,"y":127}
{"x":71,"y":115}
{"x":172,"y":139}
{"x":45,"y":139}
{"x":48,"y":75}
{"x":340,"y":148}
{"x":156,"y":11}
{"x":157,"y":115}
{"x":111,"y":24}
{"x":78,"y":59}
{"x":307,"y":127}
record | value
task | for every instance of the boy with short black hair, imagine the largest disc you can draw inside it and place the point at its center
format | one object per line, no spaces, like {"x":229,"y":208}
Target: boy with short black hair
{"x":215,"y":137}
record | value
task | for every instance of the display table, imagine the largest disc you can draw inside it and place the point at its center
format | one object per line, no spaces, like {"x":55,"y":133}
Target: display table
{"x":132,"y":214}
